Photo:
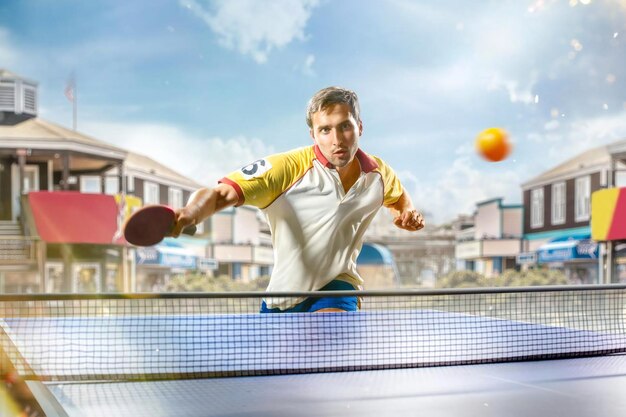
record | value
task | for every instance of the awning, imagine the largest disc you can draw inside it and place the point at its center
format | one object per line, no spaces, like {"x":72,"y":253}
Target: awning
{"x":374,"y":254}
{"x":567,"y":249}
{"x":73,"y":217}
{"x":167,"y":254}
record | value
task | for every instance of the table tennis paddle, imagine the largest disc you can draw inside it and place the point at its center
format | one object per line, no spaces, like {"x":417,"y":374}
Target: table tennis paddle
{"x":150,"y":224}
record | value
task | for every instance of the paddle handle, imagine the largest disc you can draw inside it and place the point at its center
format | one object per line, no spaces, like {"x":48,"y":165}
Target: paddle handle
{"x":190,"y":230}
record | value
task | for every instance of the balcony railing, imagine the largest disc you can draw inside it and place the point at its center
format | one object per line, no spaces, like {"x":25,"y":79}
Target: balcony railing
{"x":18,"y":250}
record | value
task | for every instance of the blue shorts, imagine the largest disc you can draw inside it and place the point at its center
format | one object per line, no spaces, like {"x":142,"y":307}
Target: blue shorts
{"x":349,"y":303}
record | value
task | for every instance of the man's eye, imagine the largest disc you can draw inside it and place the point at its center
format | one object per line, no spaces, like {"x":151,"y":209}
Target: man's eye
{"x":325,"y":130}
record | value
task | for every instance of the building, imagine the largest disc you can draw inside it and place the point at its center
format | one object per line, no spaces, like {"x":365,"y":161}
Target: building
{"x":37,"y":155}
{"x":493,"y":243}
{"x":63,"y":199}
{"x":419,"y":257}
{"x":557,"y":213}
{"x":150,"y":182}
{"x":241,"y":242}
{"x":608,"y":217}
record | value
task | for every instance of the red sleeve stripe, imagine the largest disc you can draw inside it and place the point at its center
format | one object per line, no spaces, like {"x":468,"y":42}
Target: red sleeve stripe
{"x":236,"y":187}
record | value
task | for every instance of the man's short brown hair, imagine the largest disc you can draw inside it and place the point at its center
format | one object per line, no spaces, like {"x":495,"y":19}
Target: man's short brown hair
{"x":329,"y":96}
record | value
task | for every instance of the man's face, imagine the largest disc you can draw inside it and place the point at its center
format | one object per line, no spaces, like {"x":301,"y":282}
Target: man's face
{"x":336,"y":133}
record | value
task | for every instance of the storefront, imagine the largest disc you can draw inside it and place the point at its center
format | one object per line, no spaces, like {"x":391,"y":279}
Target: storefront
{"x":83,"y":268}
{"x":82,"y":247}
{"x":156,"y":265}
{"x":619,"y":268}
{"x":608,"y":225}
{"x":576,"y":256}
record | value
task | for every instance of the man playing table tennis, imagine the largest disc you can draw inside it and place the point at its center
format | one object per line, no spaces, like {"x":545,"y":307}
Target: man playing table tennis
{"x":318,"y":201}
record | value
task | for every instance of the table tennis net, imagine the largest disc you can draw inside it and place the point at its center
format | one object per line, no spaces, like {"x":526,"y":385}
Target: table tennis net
{"x":173,"y":336}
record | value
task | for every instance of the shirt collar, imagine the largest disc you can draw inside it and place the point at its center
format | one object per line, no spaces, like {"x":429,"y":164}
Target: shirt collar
{"x":368,"y":164}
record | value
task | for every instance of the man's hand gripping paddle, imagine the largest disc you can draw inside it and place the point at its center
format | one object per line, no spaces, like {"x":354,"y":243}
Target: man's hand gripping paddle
{"x":150,"y":224}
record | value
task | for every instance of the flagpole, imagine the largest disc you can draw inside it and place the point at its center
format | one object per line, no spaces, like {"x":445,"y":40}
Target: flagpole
{"x":75,"y":106}
{"x":72,"y":95}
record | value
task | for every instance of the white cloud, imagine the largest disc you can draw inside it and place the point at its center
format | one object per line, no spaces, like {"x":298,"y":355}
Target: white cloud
{"x":8,"y":56}
{"x":252,"y":27}
{"x":419,"y":11}
{"x":204,"y":159}
{"x":113,"y":53}
{"x":511,"y":56}
{"x":467,"y":180}
{"x":609,"y":127}
{"x":458,"y":188}
{"x":545,"y":138}
{"x":552,"y":125}
{"x":549,"y":148}
{"x":589,"y":133}
{"x":567,"y":139}
{"x":308,"y":66}
{"x":420,"y":89}
{"x":517,"y":93}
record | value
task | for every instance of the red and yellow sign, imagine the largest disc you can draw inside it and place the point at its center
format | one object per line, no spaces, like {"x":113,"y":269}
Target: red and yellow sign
{"x":127,"y":204}
{"x":608,"y":214}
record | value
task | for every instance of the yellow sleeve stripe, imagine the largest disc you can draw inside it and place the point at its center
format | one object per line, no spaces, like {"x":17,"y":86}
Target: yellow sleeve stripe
{"x":262,"y":182}
{"x":392,"y":187}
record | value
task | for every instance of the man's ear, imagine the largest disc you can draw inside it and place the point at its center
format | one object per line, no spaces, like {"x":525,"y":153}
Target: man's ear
{"x":360,"y":128}
{"x":312,"y":135}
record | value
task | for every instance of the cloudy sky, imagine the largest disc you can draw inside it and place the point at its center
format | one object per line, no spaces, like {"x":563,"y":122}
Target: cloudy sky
{"x":207,"y":86}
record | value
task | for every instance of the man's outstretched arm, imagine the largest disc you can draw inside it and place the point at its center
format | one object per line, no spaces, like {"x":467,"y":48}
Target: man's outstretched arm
{"x":405,"y":215}
{"x":204,"y":203}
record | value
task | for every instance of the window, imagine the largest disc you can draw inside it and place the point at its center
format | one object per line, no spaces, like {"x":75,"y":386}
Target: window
{"x":7,"y":95}
{"x":86,"y":277}
{"x":536,"y":208}
{"x":130,"y":183}
{"x":55,"y":278}
{"x":112,"y":279}
{"x":30,"y":100}
{"x":111,"y":185}
{"x":150,"y":193}
{"x":620,"y":179}
{"x":558,"y":203}
{"x":583,"y":196}
{"x":31,"y":178}
{"x":90,"y":184}
{"x":175,"y":198}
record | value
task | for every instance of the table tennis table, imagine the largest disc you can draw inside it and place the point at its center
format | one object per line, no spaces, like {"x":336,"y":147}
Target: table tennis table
{"x":586,"y":387}
{"x":379,"y":362}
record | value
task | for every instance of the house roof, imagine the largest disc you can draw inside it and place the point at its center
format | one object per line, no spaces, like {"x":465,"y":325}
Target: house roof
{"x":38,"y":133}
{"x":595,"y":157}
{"x":142,"y":164}
{"x":6,"y":74}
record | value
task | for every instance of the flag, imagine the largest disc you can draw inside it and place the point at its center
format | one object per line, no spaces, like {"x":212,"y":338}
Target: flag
{"x":70,"y":89}
{"x":70,"y":93}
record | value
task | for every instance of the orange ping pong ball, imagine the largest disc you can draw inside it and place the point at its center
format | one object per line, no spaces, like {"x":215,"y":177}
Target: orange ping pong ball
{"x":493,"y":144}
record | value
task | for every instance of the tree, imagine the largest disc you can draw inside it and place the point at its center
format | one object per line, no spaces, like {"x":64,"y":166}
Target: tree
{"x":529,"y":278}
{"x":509,"y":278}
{"x":461,"y":279}
{"x":222,"y":283}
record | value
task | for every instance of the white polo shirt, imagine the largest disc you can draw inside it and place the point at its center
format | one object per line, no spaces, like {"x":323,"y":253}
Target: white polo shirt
{"x":317,"y":228}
